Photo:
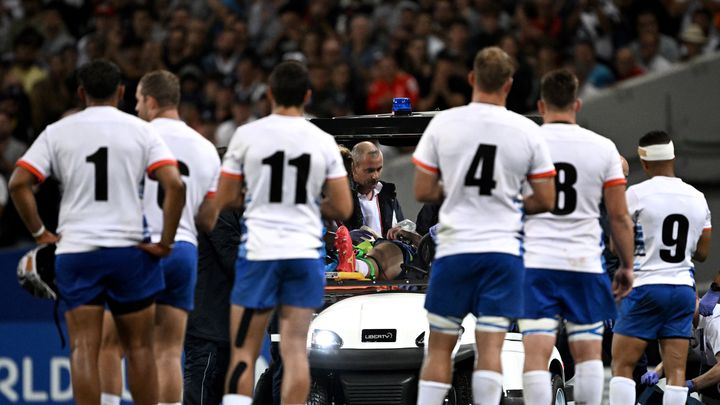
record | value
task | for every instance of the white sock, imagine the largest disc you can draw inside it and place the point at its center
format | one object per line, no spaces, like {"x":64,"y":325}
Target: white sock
{"x":537,"y":387}
{"x":589,"y":381}
{"x":622,"y":391}
{"x":675,"y":395}
{"x":432,"y":392}
{"x":487,"y":387}
{"x":234,"y":399}
{"x":361,"y":267}
{"x":109,"y":399}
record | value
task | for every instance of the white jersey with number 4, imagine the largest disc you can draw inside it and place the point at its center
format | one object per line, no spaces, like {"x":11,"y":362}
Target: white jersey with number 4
{"x":99,"y":156}
{"x":199,"y":166}
{"x":285,"y":162}
{"x":570,"y":237}
{"x":484,"y":154}
{"x":670,"y":216}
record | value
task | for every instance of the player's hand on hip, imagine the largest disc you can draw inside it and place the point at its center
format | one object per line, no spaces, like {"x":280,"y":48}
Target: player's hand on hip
{"x":47,"y":238}
{"x":623,"y":281}
{"x":156,"y":249}
{"x":708,"y":302}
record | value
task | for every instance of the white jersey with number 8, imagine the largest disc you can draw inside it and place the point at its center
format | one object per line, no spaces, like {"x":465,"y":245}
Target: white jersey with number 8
{"x":285,"y":162}
{"x":570,"y":238}
{"x":199,"y":166}
{"x":99,"y":156}
{"x":484,"y":154}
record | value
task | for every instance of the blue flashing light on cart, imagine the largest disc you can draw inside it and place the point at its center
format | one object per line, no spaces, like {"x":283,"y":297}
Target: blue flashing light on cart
{"x":401,"y":106}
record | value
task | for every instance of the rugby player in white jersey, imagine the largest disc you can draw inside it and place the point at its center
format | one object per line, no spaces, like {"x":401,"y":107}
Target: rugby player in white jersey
{"x":475,"y":159}
{"x":672,"y":228}
{"x":100,"y":157}
{"x":286,"y":163}
{"x":565,"y":279}
{"x":158,"y":96}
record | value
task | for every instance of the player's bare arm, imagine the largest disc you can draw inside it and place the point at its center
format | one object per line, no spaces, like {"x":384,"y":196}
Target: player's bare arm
{"x":702,"y":249}
{"x":428,"y":187}
{"x":207,"y":214}
{"x":169,"y":178}
{"x":21,"y":191}
{"x":542,"y":198}
{"x":621,"y":227}
{"x":230,"y":192}
{"x":337,"y":202}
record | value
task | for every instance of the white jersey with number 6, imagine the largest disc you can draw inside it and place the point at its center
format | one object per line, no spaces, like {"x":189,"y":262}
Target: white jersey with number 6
{"x":483,"y":153}
{"x":284,"y":162}
{"x":199,"y":166}
{"x":570,"y":237}
{"x":99,"y":156}
{"x":670,"y":216}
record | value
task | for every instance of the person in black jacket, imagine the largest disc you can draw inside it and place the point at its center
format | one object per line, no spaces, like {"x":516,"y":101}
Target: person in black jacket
{"x":375,"y":202}
{"x":207,"y":347}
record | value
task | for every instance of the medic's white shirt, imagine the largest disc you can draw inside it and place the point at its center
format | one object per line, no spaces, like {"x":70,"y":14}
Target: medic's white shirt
{"x":100,"y":156}
{"x":570,"y":238}
{"x":284,"y":162}
{"x":669,"y":217}
{"x":484,"y":153}
{"x":199,"y":166}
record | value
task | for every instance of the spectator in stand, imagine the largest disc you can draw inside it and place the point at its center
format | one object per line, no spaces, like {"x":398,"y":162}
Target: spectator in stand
{"x":650,"y":57}
{"x":360,"y":51}
{"x":343,"y":87}
{"x":25,"y":67}
{"x":416,"y":62}
{"x":491,"y":30}
{"x":449,"y":87}
{"x":10,"y":148}
{"x":242,"y":113}
{"x":587,"y":66}
{"x":59,"y":82}
{"x":424,"y":28}
{"x":54,"y":32}
{"x":175,"y":54}
{"x":457,"y":43}
{"x":224,"y":58}
{"x":389,"y":82}
{"x":625,"y":65}
{"x":648,"y":31}
{"x":693,"y":42}
{"x":249,"y":83}
{"x":520,"y":99}
{"x":322,"y":98}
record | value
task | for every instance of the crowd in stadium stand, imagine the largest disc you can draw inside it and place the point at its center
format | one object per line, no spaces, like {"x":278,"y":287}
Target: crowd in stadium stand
{"x":360,"y":54}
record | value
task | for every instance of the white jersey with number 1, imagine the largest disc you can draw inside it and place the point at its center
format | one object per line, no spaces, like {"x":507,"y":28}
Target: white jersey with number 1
{"x":285,"y":162}
{"x":484,"y":154}
{"x":199,"y":166}
{"x":570,"y":238}
{"x":670,"y":216}
{"x":99,"y":156}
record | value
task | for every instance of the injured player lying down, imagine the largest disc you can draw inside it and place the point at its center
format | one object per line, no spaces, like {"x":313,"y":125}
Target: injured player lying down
{"x":376,"y":258}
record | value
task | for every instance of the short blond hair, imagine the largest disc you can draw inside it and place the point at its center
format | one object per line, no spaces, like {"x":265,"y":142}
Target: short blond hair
{"x":492,"y":67}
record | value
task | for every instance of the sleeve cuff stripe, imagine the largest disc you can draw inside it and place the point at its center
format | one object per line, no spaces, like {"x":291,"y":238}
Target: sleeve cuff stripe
{"x":615,"y":182}
{"x":542,"y":175}
{"x":335,"y":177}
{"x":210,"y":194}
{"x":35,"y":172}
{"x":161,"y":163}
{"x":707,"y":228}
{"x":231,"y":175}
{"x":425,"y":166}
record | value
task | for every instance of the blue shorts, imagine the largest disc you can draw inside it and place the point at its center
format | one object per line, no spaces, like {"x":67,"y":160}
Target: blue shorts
{"x":122,"y":274}
{"x":580,"y":298}
{"x":657,"y":311}
{"x":180,"y":271}
{"x":262,"y":284}
{"x":484,"y":284}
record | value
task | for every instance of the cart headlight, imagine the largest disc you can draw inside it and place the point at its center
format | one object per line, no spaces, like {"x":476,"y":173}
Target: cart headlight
{"x":325,"y":339}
